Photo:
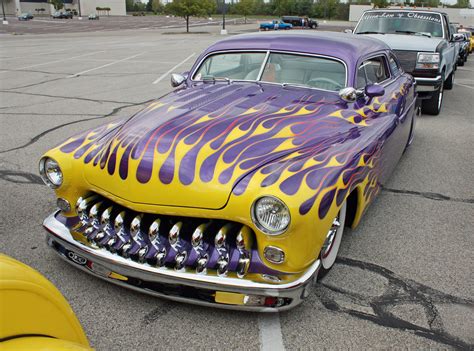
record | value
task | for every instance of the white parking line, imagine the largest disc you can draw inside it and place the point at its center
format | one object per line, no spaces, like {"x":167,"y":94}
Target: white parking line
{"x":164,"y":75}
{"x":51,"y":62}
{"x":29,"y":55}
{"x":464,"y":86}
{"x":106,"y":65}
{"x":270,"y":332}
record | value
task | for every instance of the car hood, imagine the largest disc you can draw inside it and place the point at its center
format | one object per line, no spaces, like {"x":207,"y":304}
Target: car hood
{"x":193,"y":146}
{"x":409,"y":42}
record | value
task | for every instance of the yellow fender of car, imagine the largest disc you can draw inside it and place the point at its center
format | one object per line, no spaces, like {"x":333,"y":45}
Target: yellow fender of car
{"x":33,"y":313}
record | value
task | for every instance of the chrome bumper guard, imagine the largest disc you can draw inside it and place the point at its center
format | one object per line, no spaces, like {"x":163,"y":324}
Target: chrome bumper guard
{"x":180,"y":285}
{"x":428,"y":84}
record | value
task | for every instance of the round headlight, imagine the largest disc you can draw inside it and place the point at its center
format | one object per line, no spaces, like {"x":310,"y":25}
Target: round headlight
{"x":271,"y":215}
{"x":50,"y":172}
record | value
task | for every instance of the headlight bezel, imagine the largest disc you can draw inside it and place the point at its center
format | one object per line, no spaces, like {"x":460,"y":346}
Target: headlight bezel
{"x":47,"y":163}
{"x":428,"y":60}
{"x":258,"y":223}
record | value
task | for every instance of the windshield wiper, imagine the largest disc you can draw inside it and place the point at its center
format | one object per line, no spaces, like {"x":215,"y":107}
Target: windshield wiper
{"x":414,"y":33}
{"x":370,"y":32}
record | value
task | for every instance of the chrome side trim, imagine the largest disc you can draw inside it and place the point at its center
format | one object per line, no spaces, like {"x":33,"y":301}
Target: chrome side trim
{"x":109,"y":265}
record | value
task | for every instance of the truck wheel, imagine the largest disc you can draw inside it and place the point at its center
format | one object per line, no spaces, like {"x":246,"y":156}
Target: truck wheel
{"x":432,"y":106}
{"x":313,"y":26}
{"x":449,"y":83}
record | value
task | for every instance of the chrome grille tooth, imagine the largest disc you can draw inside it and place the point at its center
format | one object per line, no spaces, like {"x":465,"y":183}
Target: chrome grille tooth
{"x":125,"y":250}
{"x":173,"y":236}
{"x":180,"y":260}
{"x":105,"y":217}
{"x":154,"y":231}
{"x":83,"y":207}
{"x":198,"y":235}
{"x":135,"y":230}
{"x":160,"y":257}
{"x":142,"y":253}
{"x":202,"y":263}
{"x":94,"y":214}
{"x":243,"y":265}
{"x":222,"y":265}
{"x":118,"y":222}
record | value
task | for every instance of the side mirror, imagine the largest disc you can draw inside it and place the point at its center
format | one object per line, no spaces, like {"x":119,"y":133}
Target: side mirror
{"x":177,"y":80}
{"x":458,"y":37}
{"x":348,"y":31}
{"x":374,"y":90}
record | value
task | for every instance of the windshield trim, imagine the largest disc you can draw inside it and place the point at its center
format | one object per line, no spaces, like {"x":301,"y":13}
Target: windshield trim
{"x":264,"y":63}
{"x":404,"y":10}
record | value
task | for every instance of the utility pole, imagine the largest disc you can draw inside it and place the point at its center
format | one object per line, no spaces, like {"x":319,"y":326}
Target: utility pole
{"x":223,"y":31}
{"x":3,"y":12}
{"x":79,"y":6}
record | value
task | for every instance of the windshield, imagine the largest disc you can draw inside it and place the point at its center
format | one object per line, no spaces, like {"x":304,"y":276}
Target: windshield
{"x":416,"y":23}
{"x":285,"y":69}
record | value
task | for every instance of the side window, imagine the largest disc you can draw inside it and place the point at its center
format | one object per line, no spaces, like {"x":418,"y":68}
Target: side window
{"x":394,"y":66}
{"x":371,"y":71}
{"x":446,"y":27}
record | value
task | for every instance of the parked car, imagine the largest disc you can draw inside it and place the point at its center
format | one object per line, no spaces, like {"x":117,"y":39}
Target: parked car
{"x":297,"y":21}
{"x":457,"y":38}
{"x":25,"y":16}
{"x":33,"y":313}
{"x":424,"y":44}
{"x":61,"y":15}
{"x":93,"y":16}
{"x":470,"y":40}
{"x":275,"y":25}
{"x":464,"y":48}
{"x":234,"y":189}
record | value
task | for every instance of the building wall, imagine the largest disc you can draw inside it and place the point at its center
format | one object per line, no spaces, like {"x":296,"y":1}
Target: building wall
{"x":462,"y":16}
{"x":15,"y":7}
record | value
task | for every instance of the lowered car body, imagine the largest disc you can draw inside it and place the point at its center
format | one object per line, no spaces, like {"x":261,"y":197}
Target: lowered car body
{"x":234,"y":189}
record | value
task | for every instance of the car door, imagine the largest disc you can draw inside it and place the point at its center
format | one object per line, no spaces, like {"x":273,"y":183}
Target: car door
{"x":392,"y":124}
{"x":450,"y":51}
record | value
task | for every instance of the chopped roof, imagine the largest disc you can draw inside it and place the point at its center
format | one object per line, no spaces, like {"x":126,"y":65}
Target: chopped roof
{"x":348,"y":47}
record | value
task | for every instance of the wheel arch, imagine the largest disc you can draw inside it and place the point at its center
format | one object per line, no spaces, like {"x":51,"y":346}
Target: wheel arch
{"x":355,"y":207}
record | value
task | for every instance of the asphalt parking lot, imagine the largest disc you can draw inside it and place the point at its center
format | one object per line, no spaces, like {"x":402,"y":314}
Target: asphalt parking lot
{"x":404,"y":278}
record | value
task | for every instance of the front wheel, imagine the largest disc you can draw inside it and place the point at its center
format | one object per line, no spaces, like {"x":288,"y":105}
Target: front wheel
{"x":432,"y":106}
{"x":331,"y":245}
{"x":449,"y":83}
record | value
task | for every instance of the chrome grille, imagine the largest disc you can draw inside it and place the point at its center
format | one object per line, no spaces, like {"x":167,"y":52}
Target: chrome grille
{"x":407,"y":59}
{"x":174,"y":242}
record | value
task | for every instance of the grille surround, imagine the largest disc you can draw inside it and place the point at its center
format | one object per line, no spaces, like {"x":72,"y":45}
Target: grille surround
{"x":168,"y":241}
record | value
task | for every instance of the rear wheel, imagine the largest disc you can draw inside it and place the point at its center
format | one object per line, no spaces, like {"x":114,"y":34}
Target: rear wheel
{"x":331,"y":245}
{"x":432,"y":106}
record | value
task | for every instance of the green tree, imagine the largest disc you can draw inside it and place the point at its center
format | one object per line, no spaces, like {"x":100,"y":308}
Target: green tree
{"x":58,"y":4}
{"x":304,"y":7}
{"x":129,"y":5}
{"x":283,"y":7}
{"x":463,"y":4}
{"x":380,"y":3}
{"x":188,"y":8}
{"x":244,"y":8}
{"x":156,"y":6}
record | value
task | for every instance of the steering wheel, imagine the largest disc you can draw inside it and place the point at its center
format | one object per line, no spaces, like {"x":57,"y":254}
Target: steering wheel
{"x":324,"y":83}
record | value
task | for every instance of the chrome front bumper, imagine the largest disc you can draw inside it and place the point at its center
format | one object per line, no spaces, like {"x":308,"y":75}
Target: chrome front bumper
{"x":184,"y":285}
{"x":428,"y":84}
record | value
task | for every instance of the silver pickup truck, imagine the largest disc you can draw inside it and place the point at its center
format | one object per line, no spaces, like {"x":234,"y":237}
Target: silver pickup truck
{"x":424,"y":45}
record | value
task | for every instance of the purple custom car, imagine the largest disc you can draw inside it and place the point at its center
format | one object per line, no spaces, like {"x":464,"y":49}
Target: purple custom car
{"x":234,"y":189}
